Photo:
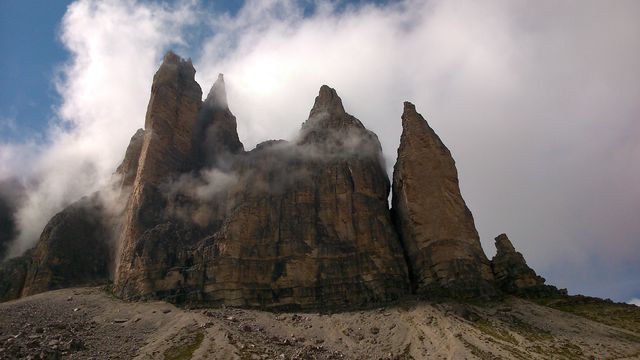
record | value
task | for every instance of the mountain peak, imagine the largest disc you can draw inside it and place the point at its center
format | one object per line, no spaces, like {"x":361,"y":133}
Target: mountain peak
{"x":504,"y":245}
{"x":217,"y":96}
{"x":327,"y":101}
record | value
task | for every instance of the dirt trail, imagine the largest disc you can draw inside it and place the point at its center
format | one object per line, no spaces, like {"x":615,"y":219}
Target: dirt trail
{"x":87,"y":323}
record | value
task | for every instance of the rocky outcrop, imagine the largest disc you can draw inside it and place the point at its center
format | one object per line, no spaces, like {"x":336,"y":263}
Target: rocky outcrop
{"x":128,"y":168}
{"x":513,"y":275}
{"x":437,"y":230}
{"x":75,"y":249}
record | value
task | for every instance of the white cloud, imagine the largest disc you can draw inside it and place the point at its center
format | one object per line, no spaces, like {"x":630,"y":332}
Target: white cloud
{"x":634,"y":301}
{"x":537,"y":103}
{"x":114,"y":47}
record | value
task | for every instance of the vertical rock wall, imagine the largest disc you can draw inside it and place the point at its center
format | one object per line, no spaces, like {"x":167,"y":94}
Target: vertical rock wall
{"x":440,"y":240}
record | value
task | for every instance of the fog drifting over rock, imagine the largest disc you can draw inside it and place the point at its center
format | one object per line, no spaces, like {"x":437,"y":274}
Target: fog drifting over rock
{"x":538,"y":103}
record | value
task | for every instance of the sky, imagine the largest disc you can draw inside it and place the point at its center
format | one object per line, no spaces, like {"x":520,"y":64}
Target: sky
{"x":538,"y":102}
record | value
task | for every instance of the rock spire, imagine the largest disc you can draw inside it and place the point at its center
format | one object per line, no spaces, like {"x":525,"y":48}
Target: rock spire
{"x":437,"y":230}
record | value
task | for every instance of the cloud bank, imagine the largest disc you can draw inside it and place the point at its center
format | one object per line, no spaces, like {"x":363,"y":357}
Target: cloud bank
{"x":537,"y":102}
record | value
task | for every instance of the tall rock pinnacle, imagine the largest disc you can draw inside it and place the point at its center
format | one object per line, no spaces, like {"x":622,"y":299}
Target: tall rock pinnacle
{"x":436,"y":228}
{"x":167,"y":151}
{"x":216,"y":133}
{"x":327,"y":115}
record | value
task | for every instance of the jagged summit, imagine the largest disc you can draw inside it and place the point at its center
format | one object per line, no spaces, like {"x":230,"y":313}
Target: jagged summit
{"x":217,"y":97}
{"x":288,"y":225}
{"x":504,"y":245}
{"x":216,"y":132}
{"x":512,"y":273}
{"x":328,"y":113}
{"x":327,"y":102}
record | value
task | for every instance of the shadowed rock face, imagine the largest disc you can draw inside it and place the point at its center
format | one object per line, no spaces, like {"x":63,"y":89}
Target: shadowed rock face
{"x":12,"y":193}
{"x":128,"y":169}
{"x":74,"y":250}
{"x":513,"y":275}
{"x":216,"y":135}
{"x":436,"y":228}
{"x":308,"y":224}
{"x":301,"y":225}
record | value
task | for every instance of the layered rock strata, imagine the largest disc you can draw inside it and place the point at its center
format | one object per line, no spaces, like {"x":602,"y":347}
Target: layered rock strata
{"x":437,"y":230}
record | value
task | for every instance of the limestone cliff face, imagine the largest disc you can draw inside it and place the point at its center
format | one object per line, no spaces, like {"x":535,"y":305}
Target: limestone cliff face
{"x":74,"y":249}
{"x":167,"y":151}
{"x":128,"y":168}
{"x":288,"y":225}
{"x":436,"y":228}
{"x":512,"y":273}
{"x":308,"y":224}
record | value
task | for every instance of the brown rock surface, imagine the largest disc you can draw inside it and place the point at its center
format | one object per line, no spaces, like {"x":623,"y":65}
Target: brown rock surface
{"x":74,"y":249}
{"x":309,"y":224}
{"x":512,"y":273}
{"x":12,"y":193}
{"x":216,"y":134}
{"x":301,"y":225}
{"x":167,"y":151}
{"x":12,"y":275}
{"x":436,"y":228}
{"x":128,"y":169}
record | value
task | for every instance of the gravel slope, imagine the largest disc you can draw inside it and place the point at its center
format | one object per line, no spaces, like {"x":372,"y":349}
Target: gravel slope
{"x":88,"y":323}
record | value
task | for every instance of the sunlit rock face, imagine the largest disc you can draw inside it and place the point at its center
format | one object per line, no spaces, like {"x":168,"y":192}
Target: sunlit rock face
{"x":191,"y":217}
{"x":167,"y":152}
{"x":437,"y":230}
